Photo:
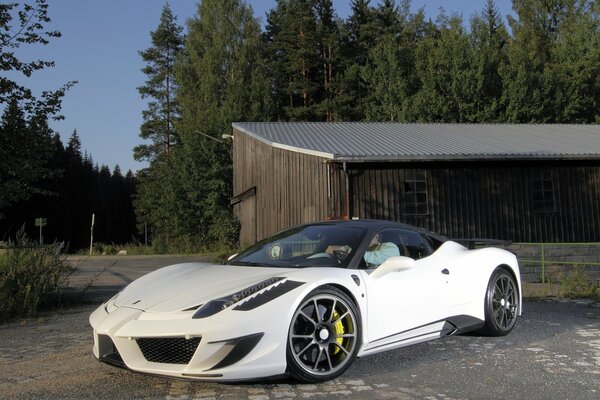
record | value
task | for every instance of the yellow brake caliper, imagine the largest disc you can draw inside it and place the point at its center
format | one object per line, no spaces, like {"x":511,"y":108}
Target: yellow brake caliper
{"x":339,"y":330}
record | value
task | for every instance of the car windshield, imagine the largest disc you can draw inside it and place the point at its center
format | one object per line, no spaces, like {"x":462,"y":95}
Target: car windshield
{"x":319,"y":245}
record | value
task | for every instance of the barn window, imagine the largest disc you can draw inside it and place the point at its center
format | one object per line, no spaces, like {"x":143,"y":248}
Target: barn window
{"x":415,"y":191}
{"x":543,"y":192}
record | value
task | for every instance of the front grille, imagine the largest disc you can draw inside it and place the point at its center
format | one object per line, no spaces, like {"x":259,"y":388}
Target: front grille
{"x":168,"y":350}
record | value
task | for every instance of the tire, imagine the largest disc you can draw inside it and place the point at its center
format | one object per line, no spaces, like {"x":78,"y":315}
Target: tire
{"x":501,"y":304}
{"x":323,"y":337}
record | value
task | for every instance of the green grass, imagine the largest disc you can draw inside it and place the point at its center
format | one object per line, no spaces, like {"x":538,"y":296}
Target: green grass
{"x":111,"y":249}
{"x":217,"y":254}
{"x":29,"y":275}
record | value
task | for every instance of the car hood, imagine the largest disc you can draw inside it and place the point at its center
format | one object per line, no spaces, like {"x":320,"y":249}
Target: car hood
{"x":187,"y":286}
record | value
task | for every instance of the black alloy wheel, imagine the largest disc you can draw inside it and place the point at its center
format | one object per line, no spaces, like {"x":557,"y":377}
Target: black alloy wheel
{"x":324,"y":336}
{"x":501,"y":304}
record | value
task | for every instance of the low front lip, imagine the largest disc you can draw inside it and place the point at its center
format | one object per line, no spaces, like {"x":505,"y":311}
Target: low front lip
{"x":124,"y":325}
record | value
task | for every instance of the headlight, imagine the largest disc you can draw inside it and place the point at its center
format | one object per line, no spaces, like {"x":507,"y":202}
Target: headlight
{"x":217,"y":305}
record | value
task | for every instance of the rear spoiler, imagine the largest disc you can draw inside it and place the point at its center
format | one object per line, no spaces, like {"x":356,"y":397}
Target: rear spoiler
{"x":471,"y":243}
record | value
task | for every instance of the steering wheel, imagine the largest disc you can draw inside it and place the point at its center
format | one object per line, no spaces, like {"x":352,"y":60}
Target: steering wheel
{"x":339,"y":255}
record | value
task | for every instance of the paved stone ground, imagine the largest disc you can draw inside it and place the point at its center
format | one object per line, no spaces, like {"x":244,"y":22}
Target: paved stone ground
{"x":553,"y":353}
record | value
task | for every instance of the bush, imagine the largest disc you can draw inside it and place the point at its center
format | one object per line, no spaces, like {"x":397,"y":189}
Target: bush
{"x":576,"y":284}
{"x":225,"y":231}
{"x":219,"y":255}
{"x":29,"y":274}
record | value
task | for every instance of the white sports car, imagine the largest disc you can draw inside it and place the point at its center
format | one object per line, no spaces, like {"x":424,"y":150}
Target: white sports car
{"x":307,"y":301}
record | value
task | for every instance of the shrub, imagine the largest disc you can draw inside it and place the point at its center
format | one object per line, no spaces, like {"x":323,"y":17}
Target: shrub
{"x":220,"y":255}
{"x":224,"y":232}
{"x":29,"y":274}
{"x":576,"y":284}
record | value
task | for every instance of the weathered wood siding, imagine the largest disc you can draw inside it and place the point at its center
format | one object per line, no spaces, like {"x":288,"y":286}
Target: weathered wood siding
{"x":291,"y":188}
{"x":482,"y":200}
{"x":464,"y":199}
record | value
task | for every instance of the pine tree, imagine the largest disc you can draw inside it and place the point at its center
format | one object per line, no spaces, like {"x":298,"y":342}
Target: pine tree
{"x":389,"y":73}
{"x":447,"y":74}
{"x":163,"y":110}
{"x":73,"y":148}
{"x":293,"y":47}
{"x":359,"y":39}
{"x":75,"y":194}
{"x":575,"y":65}
{"x":25,"y":150}
{"x":528,"y":86}
{"x":329,"y":107}
{"x":222,"y":61}
{"x":490,"y":39}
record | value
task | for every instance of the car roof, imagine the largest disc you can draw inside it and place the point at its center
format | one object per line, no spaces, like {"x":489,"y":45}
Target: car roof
{"x":376,"y":224}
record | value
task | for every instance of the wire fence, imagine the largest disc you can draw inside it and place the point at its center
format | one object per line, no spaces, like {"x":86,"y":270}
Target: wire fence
{"x":586,"y":255}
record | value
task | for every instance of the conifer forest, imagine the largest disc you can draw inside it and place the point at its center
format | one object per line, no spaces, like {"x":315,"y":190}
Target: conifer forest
{"x":385,"y":61}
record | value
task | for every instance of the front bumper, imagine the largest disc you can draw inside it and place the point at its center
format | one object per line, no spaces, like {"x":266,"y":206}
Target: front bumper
{"x":231,"y":345}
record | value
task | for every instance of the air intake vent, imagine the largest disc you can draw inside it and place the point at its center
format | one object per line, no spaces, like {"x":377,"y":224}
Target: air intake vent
{"x":108,"y":352}
{"x":168,"y":350}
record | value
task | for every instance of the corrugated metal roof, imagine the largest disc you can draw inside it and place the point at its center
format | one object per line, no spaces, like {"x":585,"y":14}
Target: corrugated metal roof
{"x":377,"y":141}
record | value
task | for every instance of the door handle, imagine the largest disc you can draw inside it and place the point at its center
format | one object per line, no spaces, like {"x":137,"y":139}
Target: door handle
{"x":445,"y":271}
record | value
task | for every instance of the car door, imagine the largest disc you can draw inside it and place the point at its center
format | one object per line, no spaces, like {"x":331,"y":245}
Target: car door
{"x":403,"y":300}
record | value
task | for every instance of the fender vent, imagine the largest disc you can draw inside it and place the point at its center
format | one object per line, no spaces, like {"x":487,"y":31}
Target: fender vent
{"x":270,"y":294}
{"x":168,"y":350}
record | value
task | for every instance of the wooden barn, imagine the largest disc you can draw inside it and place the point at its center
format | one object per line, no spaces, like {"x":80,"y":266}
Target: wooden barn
{"x":525,"y":183}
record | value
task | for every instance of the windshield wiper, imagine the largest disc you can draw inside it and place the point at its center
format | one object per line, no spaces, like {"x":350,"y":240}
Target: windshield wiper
{"x":250,"y":263}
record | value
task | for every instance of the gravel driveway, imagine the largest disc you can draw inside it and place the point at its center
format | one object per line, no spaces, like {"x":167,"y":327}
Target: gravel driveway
{"x":553,"y":353}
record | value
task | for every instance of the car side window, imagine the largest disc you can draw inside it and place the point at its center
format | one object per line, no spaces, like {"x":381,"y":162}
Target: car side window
{"x":393,"y":236}
{"x":415,"y":245}
{"x":384,"y":244}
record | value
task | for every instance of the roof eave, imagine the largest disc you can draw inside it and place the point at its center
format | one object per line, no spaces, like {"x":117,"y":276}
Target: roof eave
{"x":467,"y":157}
{"x":283,"y":146}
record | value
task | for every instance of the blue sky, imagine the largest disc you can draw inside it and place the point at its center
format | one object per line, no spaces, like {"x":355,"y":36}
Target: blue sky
{"x":99,"y":48}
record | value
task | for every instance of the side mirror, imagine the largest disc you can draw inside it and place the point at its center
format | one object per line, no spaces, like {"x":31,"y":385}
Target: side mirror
{"x":231,"y":256}
{"x":393,"y":264}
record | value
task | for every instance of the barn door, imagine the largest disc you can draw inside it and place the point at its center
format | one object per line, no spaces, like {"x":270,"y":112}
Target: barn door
{"x":248,"y":220}
{"x":244,"y":208}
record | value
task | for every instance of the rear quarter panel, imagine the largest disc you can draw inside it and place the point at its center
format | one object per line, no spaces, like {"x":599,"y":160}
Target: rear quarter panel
{"x":470,"y":273}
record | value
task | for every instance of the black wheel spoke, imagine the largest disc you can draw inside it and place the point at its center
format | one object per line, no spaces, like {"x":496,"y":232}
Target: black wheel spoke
{"x":497,"y":289}
{"x":317,"y":311}
{"x":309,"y":319}
{"x":340,"y":317}
{"x":329,"y":323}
{"x":304,"y":349}
{"x":328,"y":358}
{"x":497,"y":314}
{"x":332,"y":310}
{"x":318,"y":358}
{"x":294,"y":336}
{"x":336,"y":344}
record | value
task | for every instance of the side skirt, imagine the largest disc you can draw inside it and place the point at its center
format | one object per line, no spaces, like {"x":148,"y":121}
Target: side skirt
{"x":451,"y":326}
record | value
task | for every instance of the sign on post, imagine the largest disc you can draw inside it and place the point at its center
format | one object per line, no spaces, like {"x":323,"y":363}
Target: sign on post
{"x":41,"y":222}
{"x":92,"y":234}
